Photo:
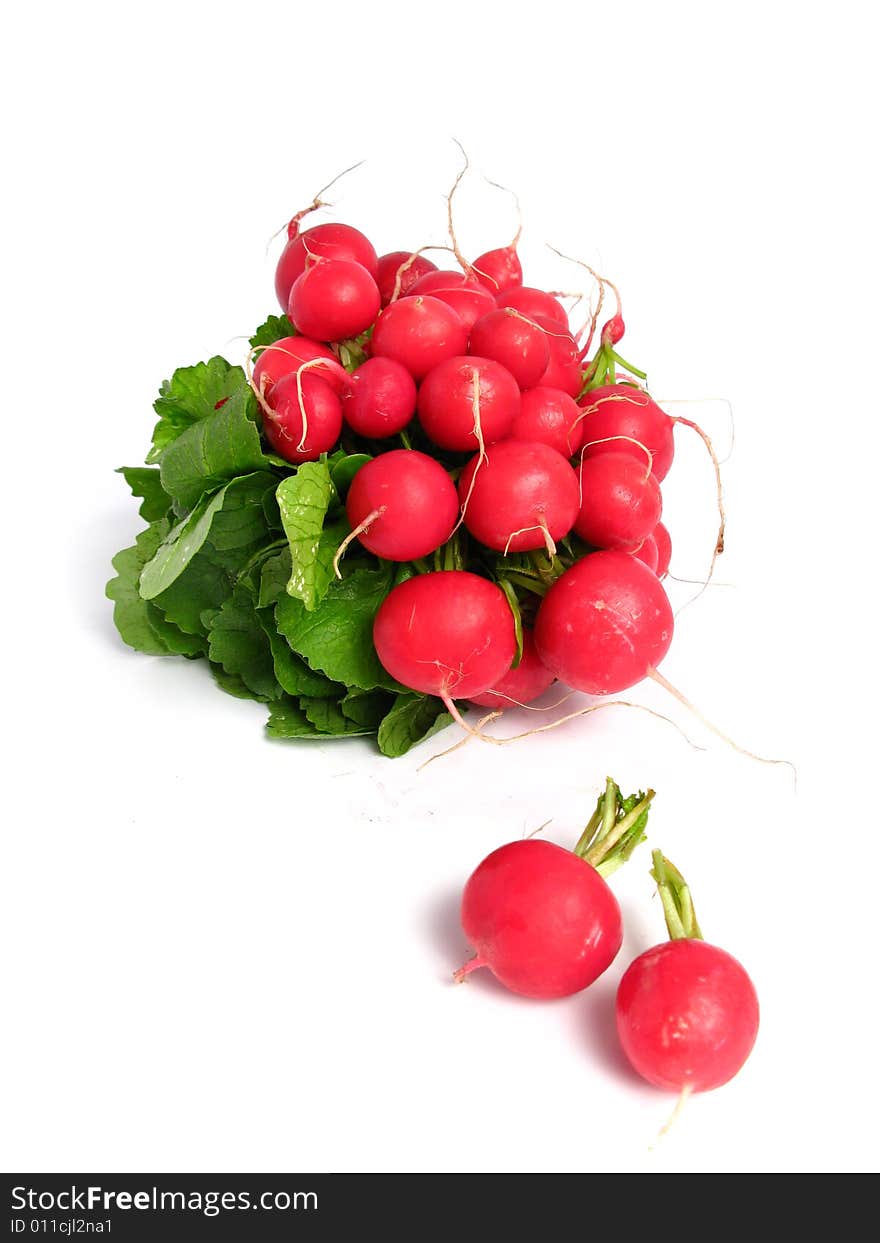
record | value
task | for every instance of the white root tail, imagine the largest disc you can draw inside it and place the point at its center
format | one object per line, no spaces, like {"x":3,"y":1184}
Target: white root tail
{"x":352,"y":536}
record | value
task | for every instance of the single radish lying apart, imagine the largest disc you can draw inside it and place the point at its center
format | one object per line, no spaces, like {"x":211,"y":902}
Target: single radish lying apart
{"x":304,"y":417}
{"x":542,"y":918}
{"x":605,"y":624}
{"x":687,"y":1012}
{"x":324,"y":241}
{"x":289,"y":354}
{"x":519,"y":496}
{"x":419,"y":333}
{"x":389,"y":268}
{"x":467,"y":297}
{"x":517,"y":343}
{"x":550,"y":416}
{"x":402,"y":505}
{"x":619,"y":418}
{"x":450,"y":634}
{"x":466,"y":403}
{"x":533,"y":303}
{"x":620,"y":501}
{"x":520,"y":685}
{"x":333,"y":299}
{"x":381,"y":398}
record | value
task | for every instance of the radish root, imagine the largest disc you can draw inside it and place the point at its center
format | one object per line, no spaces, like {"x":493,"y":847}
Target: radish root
{"x":463,"y":263}
{"x":481,"y":457}
{"x":352,"y":535}
{"x":683,"y":1097}
{"x":292,"y":225}
{"x":722,"y":517}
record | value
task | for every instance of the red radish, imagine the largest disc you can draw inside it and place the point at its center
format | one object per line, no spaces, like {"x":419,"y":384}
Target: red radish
{"x":419,"y":333}
{"x":620,"y":501}
{"x":517,"y":343}
{"x":604,"y":624}
{"x":304,"y":417}
{"x":664,"y":549}
{"x":551,"y":416}
{"x":381,"y":398}
{"x":333,"y":300}
{"x":542,"y":918}
{"x":467,"y":402}
{"x":326,"y":241}
{"x":563,"y":370}
{"x":619,"y":418}
{"x":499,"y":269}
{"x":464,"y":294}
{"x":449,"y":633}
{"x":647,"y":552}
{"x":687,"y":1012}
{"x":521,"y":685}
{"x":613,"y":330}
{"x":532,"y":303}
{"x":519,"y":496}
{"x":402,"y":505}
{"x":415,"y":266}
{"x":289,"y":354}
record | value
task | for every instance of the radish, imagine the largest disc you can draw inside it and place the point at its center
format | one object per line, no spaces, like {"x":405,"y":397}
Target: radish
{"x":664,"y":549}
{"x":463,"y":293}
{"x":519,"y":685}
{"x":605,"y":624}
{"x":620,"y":501}
{"x":380,"y":400}
{"x":619,"y":418}
{"x":333,"y":300}
{"x":551,"y":416}
{"x":519,"y":496}
{"x":517,"y":343}
{"x":401,"y":505}
{"x":420,"y":333}
{"x":302,"y":417}
{"x":389,"y":270}
{"x":499,"y":269}
{"x":647,"y":551}
{"x":467,"y":402}
{"x":533,"y":303}
{"x":289,"y":354}
{"x":563,"y":370}
{"x":449,"y":633}
{"x":687,"y":1012}
{"x":542,"y":918}
{"x":326,"y":241}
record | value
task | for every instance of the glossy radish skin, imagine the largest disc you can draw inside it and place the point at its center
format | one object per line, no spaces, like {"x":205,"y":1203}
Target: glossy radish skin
{"x":452,"y":395}
{"x":380,"y":399}
{"x":604,"y":624}
{"x":550,"y":416}
{"x":333,"y":300}
{"x":449,"y":633}
{"x":620,"y":501}
{"x":563,"y":370}
{"x":499,"y":269}
{"x":467,"y":297}
{"x":619,"y":410}
{"x":521,"y":685}
{"x":517,"y":343}
{"x":390,"y":264}
{"x":647,"y":552}
{"x":533,"y":303}
{"x":687,"y":1015}
{"x":326,"y":241}
{"x":289,"y":354}
{"x":664,"y":549}
{"x":420,"y":333}
{"x":283,"y":422}
{"x":517,"y":490}
{"x":541,"y":919}
{"x":416,"y":501}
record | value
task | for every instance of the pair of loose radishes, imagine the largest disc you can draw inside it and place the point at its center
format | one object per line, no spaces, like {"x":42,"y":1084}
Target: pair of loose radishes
{"x":543,"y":920}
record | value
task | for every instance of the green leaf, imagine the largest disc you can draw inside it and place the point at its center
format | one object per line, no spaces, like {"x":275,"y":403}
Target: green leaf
{"x":287,"y":720}
{"x":366,"y":708}
{"x":130,"y":612}
{"x":328,"y":717}
{"x":145,"y":482}
{"x":238,"y":642}
{"x":190,"y":395}
{"x":272,"y":330}
{"x":202,"y":587}
{"x":233,"y":684}
{"x":303,"y":500}
{"x":221,"y":446}
{"x":412,"y":719}
{"x":344,"y":467}
{"x":291,"y":671}
{"x":174,"y":639}
{"x":187,"y":538}
{"x":242,"y":520}
{"x":337,"y":638}
{"x":273,"y":578}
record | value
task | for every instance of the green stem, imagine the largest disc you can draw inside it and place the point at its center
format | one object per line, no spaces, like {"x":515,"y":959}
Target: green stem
{"x":621,"y":362}
{"x":528,"y":583}
{"x":421,"y":566}
{"x":405,"y":440}
{"x":507,"y":588}
{"x":599,"y":824}
{"x":602,"y":854}
{"x":678,"y":906}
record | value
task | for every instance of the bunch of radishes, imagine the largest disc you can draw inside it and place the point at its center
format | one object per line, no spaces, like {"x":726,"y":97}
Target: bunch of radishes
{"x":528,"y":471}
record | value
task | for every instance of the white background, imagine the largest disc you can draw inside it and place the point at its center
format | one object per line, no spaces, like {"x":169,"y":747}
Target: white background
{"x":226,"y":954}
